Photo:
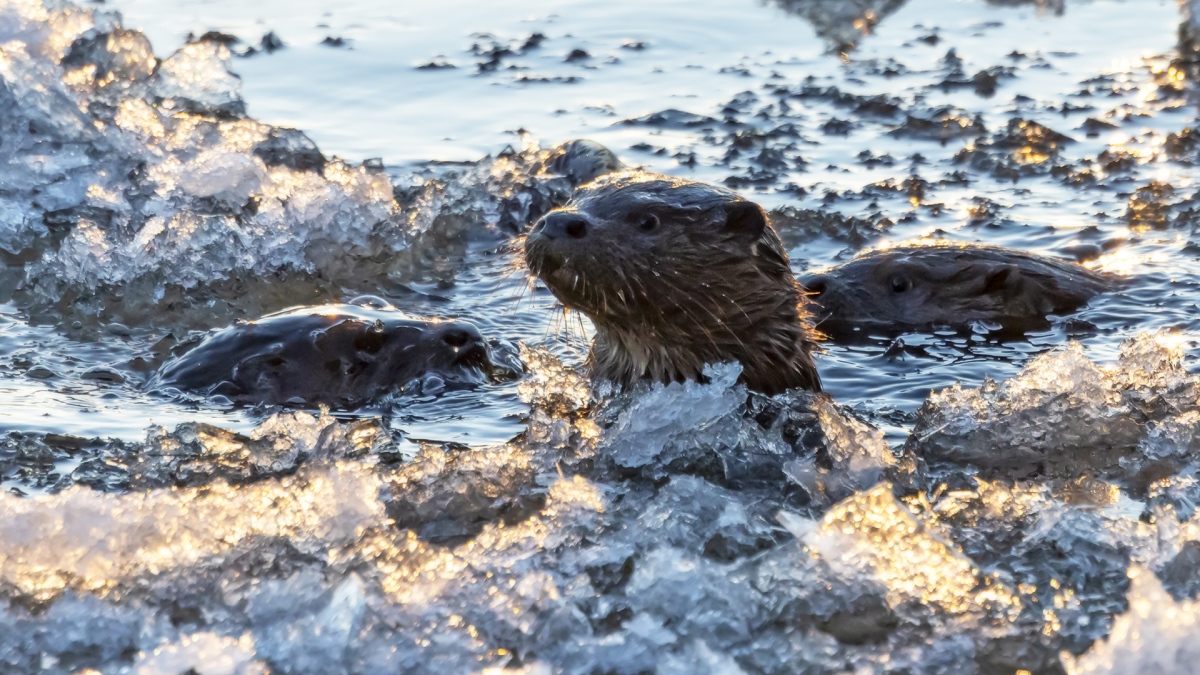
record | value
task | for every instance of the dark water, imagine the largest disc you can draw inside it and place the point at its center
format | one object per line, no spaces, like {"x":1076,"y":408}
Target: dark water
{"x":124,"y":230}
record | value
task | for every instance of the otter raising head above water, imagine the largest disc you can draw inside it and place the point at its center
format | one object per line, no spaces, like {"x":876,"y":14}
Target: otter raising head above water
{"x":676,"y":275}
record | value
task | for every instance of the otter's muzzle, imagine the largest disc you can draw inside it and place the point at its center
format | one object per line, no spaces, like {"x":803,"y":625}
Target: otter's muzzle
{"x":463,"y":344}
{"x":814,"y":284}
{"x":552,"y":240}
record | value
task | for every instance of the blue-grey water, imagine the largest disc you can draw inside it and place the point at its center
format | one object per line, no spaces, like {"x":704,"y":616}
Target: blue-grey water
{"x":370,"y":99}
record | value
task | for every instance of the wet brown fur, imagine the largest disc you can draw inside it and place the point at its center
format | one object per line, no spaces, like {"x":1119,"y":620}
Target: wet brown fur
{"x":710,"y":283}
{"x":950,"y":285}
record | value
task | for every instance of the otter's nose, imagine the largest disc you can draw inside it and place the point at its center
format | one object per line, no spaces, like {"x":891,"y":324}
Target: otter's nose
{"x":562,"y":225}
{"x":466,"y":343}
{"x":458,"y":335}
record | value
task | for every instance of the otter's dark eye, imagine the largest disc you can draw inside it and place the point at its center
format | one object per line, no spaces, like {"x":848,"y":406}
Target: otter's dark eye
{"x":648,"y":222}
{"x":899,"y":284}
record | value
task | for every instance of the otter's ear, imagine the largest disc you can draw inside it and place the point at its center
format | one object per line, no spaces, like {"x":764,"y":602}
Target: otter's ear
{"x":746,"y":219}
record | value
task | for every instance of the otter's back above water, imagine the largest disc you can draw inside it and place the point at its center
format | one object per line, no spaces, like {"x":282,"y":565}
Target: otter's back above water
{"x":343,"y":356}
{"x":952,"y":285}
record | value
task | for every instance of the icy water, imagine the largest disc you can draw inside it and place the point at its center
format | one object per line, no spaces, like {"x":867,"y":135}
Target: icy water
{"x":970,"y":502}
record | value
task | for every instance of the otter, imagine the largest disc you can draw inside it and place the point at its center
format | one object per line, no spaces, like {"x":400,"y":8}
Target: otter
{"x":582,"y":161}
{"x":675,"y":275}
{"x":949,"y":286}
{"x":343,"y":356}
{"x":550,"y":182}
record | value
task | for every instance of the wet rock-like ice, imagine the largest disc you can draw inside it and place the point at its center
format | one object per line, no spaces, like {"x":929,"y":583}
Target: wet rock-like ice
{"x":148,"y":176}
{"x":84,"y":539}
{"x":645,"y":431}
{"x":856,"y":454}
{"x":192,"y":454}
{"x":790,"y":537}
{"x":204,"y":654}
{"x":1064,"y":415}
{"x":143,"y":193}
{"x":873,"y":536}
{"x":1156,"y":635}
{"x":306,"y":546}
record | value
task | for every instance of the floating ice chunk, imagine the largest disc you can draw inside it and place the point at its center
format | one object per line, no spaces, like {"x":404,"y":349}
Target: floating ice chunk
{"x":155,"y":203}
{"x":574,"y":509}
{"x":319,"y":436}
{"x":414,"y":573}
{"x":799,"y":588}
{"x":734,"y":438}
{"x":199,"y":78}
{"x":1173,"y":437}
{"x":202,"y":654}
{"x":302,"y":222}
{"x":557,"y":394}
{"x":196,"y":454}
{"x":874,"y":537}
{"x":47,"y":28}
{"x":501,"y":586}
{"x":552,"y":385}
{"x":93,"y":541}
{"x":1154,"y":362}
{"x":447,"y":496}
{"x":72,"y":630}
{"x":699,"y":659}
{"x":853,"y":447}
{"x":1180,"y":493}
{"x":694,"y":514}
{"x":1048,"y":378}
{"x":663,"y":415}
{"x":33,"y":92}
{"x":857,"y":456}
{"x":18,"y":228}
{"x":1156,"y":635}
{"x":1063,"y":415}
{"x":314,"y":636}
{"x":1103,"y":536}
{"x":228,"y":176}
{"x":1067,"y":543}
{"x":190,"y":220}
{"x":694,"y":596}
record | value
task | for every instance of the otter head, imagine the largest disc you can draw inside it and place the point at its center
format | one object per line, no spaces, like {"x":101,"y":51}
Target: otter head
{"x":676,"y":275}
{"x":948,"y":286}
{"x":455,"y":349}
{"x":582,"y":161}
{"x":344,"y":356}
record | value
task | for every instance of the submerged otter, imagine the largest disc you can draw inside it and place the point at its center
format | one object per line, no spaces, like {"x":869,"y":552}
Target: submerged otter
{"x":676,"y":275}
{"x":949,"y":285}
{"x":343,"y":356}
